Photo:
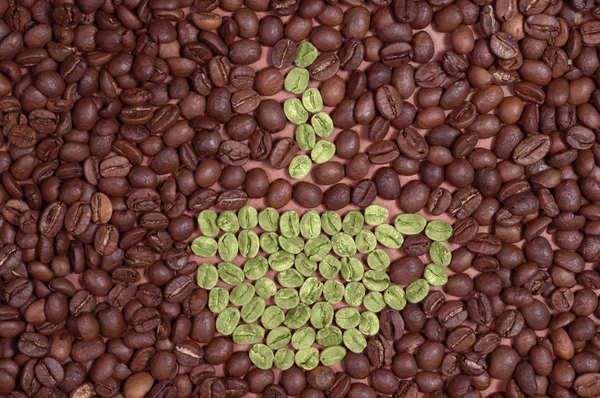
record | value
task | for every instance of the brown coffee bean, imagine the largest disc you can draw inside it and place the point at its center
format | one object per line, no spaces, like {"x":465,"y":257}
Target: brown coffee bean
{"x":364,"y":193}
{"x":283,"y":152}
{"x":388,"y":183}
{"x":283,"y":54}
{"x":325,"y":66}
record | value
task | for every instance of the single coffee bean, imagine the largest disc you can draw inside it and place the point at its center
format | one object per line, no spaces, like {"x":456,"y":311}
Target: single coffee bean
{"x":284,"y":53}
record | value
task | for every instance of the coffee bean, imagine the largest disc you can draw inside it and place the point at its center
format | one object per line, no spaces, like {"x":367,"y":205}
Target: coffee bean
{"x":283,"y":54}
{"x":233,"y":153}
{"x":283,"y":152}
{"x":232,"y":199}
{"x":325,"y":66}
{"x":383,"y":152}
{"x":49,"y":372}
{"x":388,"y":101}
{"x":52,"y":218}
{"x":388,"y":183}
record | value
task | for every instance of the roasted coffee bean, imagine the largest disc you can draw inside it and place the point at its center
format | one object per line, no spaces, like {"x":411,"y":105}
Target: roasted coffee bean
{"x":383,"y":152}
{"x":282,"y":153}
{"x":412,"y":144}
{"x":388,"y":183}
{"x":391,"y":324}
{"x":325,"y":66}
{"x":388,"y":101}
{"x":233,"y":153}
{"x":364,"y":193}
{"x":503,"y":45}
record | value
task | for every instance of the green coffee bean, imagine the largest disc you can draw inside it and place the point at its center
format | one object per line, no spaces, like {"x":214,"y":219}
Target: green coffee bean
{"x":228,"y":247}
{"x":331,"y":222}
{"x":303,"y":337}
{"x":395,"y":297}
{"x":373,"y":301}
{"x":438,"y":230}
{"x":289,"y":224}
{"x":272,"y":317}
{"x":305,"y":137}
{"x":281,"y":260}
{"x":378,"y":260}
{"x":353,"y":223}
{"x":307,"y":358}
{"x":329,"y":267}
{"x":376,"y":280}
{"x":304,"y":265}
{"x":352,"y":269}
{"x":253,"y":310}
{"x":287,"y":298}
{"x":311,"y":290}
{"x":294,"y":111}
{"x":369,"y":323}
{"x":265,"y":288}
{"x":297,"y":317}
{"x":332,"y":355}
{"x":256,"y":268}
{"x":306,"y":53}
{"x":207,"y":221}
{"x":323,"y":151}
{"x":290,"y":278}
{"x":435,"y":275}
{"x":241,"y":294}
{"x":376,"y":215}
{"x":333,"y":291}
{"x":343,"y":245}
{"x":293,"y":245}
{"x":299,"y":288}
{"x":321,"y":315}
{"x":296,"y":80}
{"x":249,"y":243}
{"x":248,"y":334}
{"x":440,"y":253}
{"x":261,"y":356}
{"x":204,"y":246}
{"x":268,"y":219}
{"x":417,"y":291}
{"x":268,"y":242}
{"x":228,"y":222}
{"x":227,"y":320}
{"x":207,"y":276}
{"x":312,"y":100}
{"x":310,"y":225}
{"x":329,"y":336}
{"x":248,"y":217}
{"x":410,"y":224}
{"x":230,"y":273}
{"x":218,"y":299}
{"x":347,"y":318}
{"x":354,"y":340}
{"x":322,"y":124}
{"x":317,"y":248}
{"x":299,"y":167}
{"x":355,"y":291}
{"x":284,"y":359}
{"x":279,"y":337}
{"x":365,"y":241}
{"x":389,"y":236}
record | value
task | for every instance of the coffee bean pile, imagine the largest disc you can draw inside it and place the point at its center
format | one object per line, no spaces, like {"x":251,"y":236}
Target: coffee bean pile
{"x":122,"y":120}
{"x":306,"y":271}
